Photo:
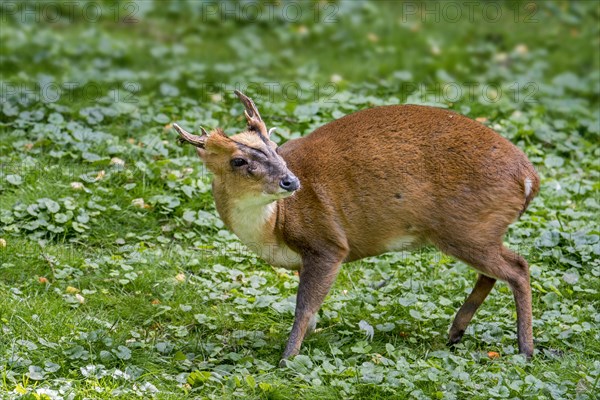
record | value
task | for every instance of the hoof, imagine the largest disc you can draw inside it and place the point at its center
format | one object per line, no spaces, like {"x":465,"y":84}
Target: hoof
{"x":527,"y":353}
{"x":283,"y":363}
{"x":455,"y":337}
{"x":526,"y":348}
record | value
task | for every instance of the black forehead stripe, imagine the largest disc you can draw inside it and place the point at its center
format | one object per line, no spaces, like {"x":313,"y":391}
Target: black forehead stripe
{"x":260,"y":151}
{"x":246,"y":147}
{"x":263,"y":138}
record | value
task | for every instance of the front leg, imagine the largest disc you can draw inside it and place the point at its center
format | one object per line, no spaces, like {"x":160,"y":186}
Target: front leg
{"x":316,"y":278}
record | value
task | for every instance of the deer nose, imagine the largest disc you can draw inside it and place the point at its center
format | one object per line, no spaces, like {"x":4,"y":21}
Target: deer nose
{"x":289,"y":183}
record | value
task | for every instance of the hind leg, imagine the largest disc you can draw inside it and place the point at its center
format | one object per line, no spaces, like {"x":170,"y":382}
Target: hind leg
{"x":482,"y":288}
{"x":521,"y":288}
{"x":496,"y":262}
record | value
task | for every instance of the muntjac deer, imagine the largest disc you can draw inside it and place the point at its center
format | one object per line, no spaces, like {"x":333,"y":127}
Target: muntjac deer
{"x":379,"y":180}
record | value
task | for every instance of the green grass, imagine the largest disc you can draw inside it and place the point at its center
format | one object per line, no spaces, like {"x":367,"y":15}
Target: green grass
{"x":104,"y":296}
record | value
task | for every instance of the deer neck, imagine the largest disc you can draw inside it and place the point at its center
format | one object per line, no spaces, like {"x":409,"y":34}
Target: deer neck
{"x":258,"y":225}
{"x":252,"y":221}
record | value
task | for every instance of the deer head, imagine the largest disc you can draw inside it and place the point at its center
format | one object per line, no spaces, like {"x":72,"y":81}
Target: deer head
{"x":245,"y":165}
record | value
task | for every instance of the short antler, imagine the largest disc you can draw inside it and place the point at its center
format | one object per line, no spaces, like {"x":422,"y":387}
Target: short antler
{"x":186,"y":137}
{"x":255,"y":122}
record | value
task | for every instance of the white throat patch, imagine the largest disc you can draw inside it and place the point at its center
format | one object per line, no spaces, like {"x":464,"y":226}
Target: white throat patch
{"x":250,"y":219}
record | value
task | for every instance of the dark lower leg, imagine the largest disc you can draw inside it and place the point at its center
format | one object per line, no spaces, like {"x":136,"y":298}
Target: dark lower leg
{"x":521,"y":289}
{"x":316,"y":278}
{"x":482,"y":288}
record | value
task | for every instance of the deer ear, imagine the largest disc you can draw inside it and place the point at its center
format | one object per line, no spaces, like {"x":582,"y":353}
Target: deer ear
{"x":255,"y":122}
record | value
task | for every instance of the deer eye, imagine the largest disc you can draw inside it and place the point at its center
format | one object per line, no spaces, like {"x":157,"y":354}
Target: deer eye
{"x":238,"y":162}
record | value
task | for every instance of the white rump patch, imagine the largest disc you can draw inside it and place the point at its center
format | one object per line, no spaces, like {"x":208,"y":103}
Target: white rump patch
{"x":528,"y":185}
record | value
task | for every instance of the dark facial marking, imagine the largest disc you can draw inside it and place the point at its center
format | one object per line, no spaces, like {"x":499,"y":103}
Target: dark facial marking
{"x":262,"y":137}
{"x":245,"y":147}
{"x":255,"y":150}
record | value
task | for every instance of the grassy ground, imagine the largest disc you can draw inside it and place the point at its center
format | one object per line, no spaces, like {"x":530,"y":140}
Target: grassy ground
{"x":118,"y":280}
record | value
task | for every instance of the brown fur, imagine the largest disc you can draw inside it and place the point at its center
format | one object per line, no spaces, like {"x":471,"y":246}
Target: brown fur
{"x":377,"y":175}
{"x":412,"y":170}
